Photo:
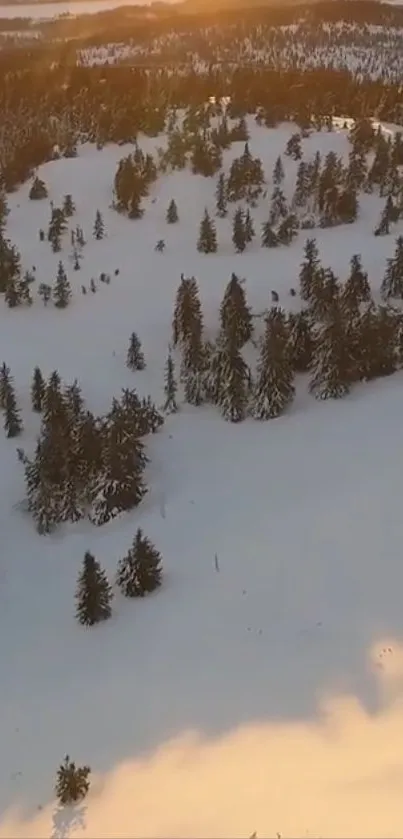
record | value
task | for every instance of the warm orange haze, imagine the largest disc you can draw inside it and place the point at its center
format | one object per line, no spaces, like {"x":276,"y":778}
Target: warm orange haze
{"x":340,"y":775}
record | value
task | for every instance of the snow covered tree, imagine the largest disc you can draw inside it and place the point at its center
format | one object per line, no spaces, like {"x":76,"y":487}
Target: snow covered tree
{"x":187,"y":317}
{"x":99,"y":226}
{"x":207,"y":242}
{"x":37,"y":390}
{"x":12,"y":294}
{"x":12,"y":419}
{"x":301,"y":341}
{"x":221,"y":197}
{"x":278,"y":172}
{"x":232,"y":395}
{"x":139,"y":572}
{"x":392,"y":283}
{"x":68,"y":206}
{"x":38,"y":190}
{"x":57,"y":227}
{"x":72,"y":783}
{"x":287,"y":230}
{"x":45,"y":292}
{"x":269,"y":237}
{"x":356,"y":288}
{"x":170,"y":388}
{"x":278,"y":206}
{"x":332,"y":361}
{"x":309,"y":270}
{"x":135,"y":356}
{"x":248,"y":227}
{"x":235,"y":314}
{"x":61,"y":289}
{"x":239,"y":236}
{"x":94,"y":594}
{"x":274,"y":386}
{"x":6,"y":382}
{"x":172,"y":215}
{"x":293,"y":147}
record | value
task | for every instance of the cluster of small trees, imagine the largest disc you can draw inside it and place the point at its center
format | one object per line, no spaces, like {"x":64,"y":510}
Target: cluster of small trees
{"x":340,"y":336}
{"x":85,"y":465}
{"x":133,"y":178}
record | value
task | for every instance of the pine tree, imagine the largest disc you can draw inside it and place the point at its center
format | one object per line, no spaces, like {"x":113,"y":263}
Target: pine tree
{"x":221,"y":196}
{"x":170,"y":388}
{"x":6,"y":382}
{"x":235,"y":314}
{"x":172,"y":215}
{"x":387,"y":217}
{"x":278,"y":172}
{"x":139,"y":572}
{"x":72,"y":783}
{"x":278,"y":206}
{"x":238,"y":231}
{"x":135,"y":356}
{"x":232,"y":395}
{"x":274,"y":387}
{"x":309,"y":270}
{"x":94,"y":594}
{"x":12,"y":420}
{"x":207,"y":242}
{"x":12,"y":294}
{"x":68,"y":206}
{"x":99,"y":227}
{"x":38,"y":190}
{"x":392,"y":283}
{"x":249,"y":229}
{"x":332,"y":361}
{"x":269,"y":237}
{"x":356,"y":289}
{"x":301,"y":341}
{"x":37,"y":390}
{"x":187,"y":317}
{"x":61,"y":289}
{"x":45,"y":292}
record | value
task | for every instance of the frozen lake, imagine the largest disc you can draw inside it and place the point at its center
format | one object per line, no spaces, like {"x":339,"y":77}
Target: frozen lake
{"x":50,"y":10}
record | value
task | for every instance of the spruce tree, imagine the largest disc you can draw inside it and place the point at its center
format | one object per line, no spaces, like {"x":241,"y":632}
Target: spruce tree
{"x":388,"y":216}
{"x":269,"y":237}
{"x":309,"y":270}
{"x":249,"y":229}
{"x":207,"y":242}
{"x":332,"y":361}
{"x":99,"y":226}
{"x":172,"y":215}
{"x":38,"y":190}
{"x":170,"y":388}
{"x":392,"y":283}
{"x":12,"y":419}
{"x":135,"y":356}
{"x":6,"y":382}
{"x":139,"y":572}
{"x":68,"y":206}
{"x":232,"y":396}
{"x":278,"y":206}
{"x":187,"y":318}
{"x":356,"y":288}
{"x":37,"y":390}
{"x":61,"y":289}
{"x":274,"y":386}
{"x":235,"y":314}
{"x":278,"y":172}
{"x":238,"y":231}
{"x":72,"y":783}
{"x":301,"y":341}
{"x":221,"y":197}
{"x":94,"y":594}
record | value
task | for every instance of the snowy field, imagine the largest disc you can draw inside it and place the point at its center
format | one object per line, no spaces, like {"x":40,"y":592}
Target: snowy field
{"x":265,"y":697}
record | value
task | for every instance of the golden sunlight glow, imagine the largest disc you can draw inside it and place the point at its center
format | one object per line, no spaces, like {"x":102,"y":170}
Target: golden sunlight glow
{"x":341,"y":775}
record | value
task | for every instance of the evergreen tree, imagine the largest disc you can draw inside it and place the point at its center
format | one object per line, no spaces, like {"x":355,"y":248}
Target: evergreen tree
{"x":293,"y":148}
{"x":57,"y":227}
{"x":172,"y":215}
{"x":387,"y":217}
{"x":235,"y":314}
{"x":187,"y":319}
{"x":38,"y":190}
{"x":232,"y":396}
{"x":278,"y":172}
{"x":68,"y":206}
{"x":309,"y":270}
{"x":170,"y":388}
{"x":94,"y":594}
{"x":207,"y":242}
{"x":37,"y":390}
{"x":45,"y":292}
{"x":72,"y":782}
{"x":135,"y":356}
{"x":61,"y":289}
{"x":274,"y":387}
{"x":139,"y":572}
{"x":238,"y":231}
{"x":392,"y":283}
{"x":249,"y":229}
{"x":301,"y":341}
{"x":99,"y":226}
{"x":221,"y":196}
{"x":12,"y":294}
{"x":6,"y":383}
{"x":288,"y":230}
{"x":269,"y":237}
{"x":332,"y":361}
{"x":278,"y":206}
{"x":12,"y":419}
{"x":356,"y":289}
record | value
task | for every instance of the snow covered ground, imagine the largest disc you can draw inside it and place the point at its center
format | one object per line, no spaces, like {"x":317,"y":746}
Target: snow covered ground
{"x":265,"y":697}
